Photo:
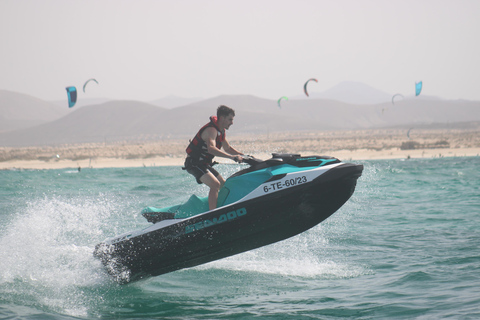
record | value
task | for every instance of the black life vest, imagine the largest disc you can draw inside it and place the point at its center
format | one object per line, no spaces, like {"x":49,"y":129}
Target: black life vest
{"x":198,"y":150}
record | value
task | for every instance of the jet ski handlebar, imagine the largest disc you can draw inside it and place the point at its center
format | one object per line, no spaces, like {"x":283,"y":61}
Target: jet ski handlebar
{"x":276,"y":158}
{"x":251,"y":160}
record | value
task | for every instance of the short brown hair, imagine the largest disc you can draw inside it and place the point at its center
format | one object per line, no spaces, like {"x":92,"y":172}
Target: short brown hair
{"x":225,"y":111}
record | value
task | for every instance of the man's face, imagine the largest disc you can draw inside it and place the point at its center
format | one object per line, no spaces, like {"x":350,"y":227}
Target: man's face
{"x":227,"y":121}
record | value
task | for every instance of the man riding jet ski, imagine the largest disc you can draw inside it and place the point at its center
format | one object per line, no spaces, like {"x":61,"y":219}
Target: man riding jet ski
{"x":208,"y":143}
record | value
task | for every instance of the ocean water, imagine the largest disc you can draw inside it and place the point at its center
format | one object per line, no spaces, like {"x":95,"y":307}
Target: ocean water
{"x":405,"y":246}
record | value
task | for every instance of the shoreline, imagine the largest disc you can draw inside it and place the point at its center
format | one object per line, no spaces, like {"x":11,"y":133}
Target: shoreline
{"x":352,"y":145}
{"x":343,"y":155}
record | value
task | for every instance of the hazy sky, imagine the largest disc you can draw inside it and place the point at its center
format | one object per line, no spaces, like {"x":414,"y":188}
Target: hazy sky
{"x":147,"y":49}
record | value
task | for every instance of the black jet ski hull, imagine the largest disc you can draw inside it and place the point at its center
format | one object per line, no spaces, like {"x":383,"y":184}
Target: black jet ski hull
{"x":230,"y":230}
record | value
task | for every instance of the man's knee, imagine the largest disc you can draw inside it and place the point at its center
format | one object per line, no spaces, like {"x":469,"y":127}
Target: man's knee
{"x":216,"y":185}
{"x":211,"y":181}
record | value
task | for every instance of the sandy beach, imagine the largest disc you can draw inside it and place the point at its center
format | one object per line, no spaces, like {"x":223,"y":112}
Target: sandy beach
{"x":345,"y":145}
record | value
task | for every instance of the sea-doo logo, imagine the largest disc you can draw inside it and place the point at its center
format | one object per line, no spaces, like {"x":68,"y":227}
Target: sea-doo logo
{"x":229,"y":216}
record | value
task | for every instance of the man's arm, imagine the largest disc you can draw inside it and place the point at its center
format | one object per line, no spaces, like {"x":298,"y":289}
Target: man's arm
{"x":229,"y":149}
{"x":209,"y":135}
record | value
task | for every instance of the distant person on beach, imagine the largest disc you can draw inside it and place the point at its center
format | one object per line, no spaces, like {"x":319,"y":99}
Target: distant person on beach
{"x":207,"y":144}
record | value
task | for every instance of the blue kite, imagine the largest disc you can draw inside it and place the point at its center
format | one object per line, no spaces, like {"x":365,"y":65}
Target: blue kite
{"x":418,"y":88}
{"x":72,"y":96}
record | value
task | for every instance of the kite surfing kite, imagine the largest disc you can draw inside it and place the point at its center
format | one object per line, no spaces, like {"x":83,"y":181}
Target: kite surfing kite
{"x":85,"y":84}
{"x":418,"y":88}
{"x":305,"y":85}
{"x":408,"y":133}
{"x":396,"y":95}
{"x":72,"y":96}
{"x":279,"y":100}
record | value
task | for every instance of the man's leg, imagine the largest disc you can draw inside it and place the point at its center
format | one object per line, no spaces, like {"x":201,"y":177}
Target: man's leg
{"x":214,"y":184}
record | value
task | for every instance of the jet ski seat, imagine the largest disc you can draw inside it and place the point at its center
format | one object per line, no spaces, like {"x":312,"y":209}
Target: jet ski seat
{"x":192,"y":207}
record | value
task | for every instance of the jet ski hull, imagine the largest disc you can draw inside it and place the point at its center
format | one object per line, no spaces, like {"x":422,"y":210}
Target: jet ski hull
{"x":171,"y":245}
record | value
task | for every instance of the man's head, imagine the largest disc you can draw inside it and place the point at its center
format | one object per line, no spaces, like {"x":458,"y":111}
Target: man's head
{"x":225,"y":116}
{"x":225,"y":111}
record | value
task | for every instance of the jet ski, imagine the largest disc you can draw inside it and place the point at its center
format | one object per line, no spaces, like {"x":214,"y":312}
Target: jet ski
{"x":269,"y":201}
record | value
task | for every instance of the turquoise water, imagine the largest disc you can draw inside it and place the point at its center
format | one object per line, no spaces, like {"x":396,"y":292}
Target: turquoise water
{"x":405,"y":246}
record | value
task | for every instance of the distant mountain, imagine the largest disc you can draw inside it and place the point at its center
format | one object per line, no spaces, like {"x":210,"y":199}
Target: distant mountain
{"x":172,"y":101}
{"x":134,"y":120}
{"x":19,"y":111}
{"x":114,"y":120}
{"x":81,"y":102}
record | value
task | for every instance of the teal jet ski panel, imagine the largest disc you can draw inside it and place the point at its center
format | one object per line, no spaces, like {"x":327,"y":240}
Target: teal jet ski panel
{"x":236,"y":188}
{"x":233,"y":190}
{"x":242,"y":183}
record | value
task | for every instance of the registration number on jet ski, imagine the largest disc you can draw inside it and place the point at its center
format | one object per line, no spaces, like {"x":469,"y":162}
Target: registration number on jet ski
{"x":284,"y":184}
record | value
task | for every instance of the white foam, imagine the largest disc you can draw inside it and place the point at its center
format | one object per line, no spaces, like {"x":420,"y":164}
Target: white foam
{"x":46,"y":252}
{"x":306,"y":255}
